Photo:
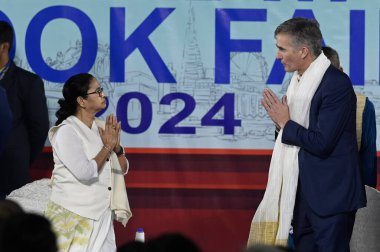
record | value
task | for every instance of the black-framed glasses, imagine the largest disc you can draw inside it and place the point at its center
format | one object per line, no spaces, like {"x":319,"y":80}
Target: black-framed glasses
{"x":98,"y":91}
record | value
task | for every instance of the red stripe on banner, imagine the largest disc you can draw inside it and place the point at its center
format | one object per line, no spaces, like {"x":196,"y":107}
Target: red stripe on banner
{"x":227,"y":166}
{"x":47,"y":149}
{"x":195,"y":186}
{"x":190,"y":151}
{"x":197,"y":180}
{"x":194,"y":198}
{"x":200,"y":163}
{"x":195,"y":151}
{"x":199,"y":151}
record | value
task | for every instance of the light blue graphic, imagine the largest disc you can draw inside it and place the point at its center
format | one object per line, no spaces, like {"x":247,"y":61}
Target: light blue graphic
{"x":187,"y":74}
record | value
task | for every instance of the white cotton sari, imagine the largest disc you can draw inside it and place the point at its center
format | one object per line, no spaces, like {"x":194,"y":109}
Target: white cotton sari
{"x":81,"y":213}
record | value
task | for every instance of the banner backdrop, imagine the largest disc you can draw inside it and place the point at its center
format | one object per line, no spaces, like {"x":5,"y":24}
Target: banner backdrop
{"x":186,"y":74}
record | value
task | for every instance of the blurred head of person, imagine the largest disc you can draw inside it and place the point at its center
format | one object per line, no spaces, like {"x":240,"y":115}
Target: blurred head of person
{"x":27,"y":232}
{"x":9,"y":208}
{"x":333,"y":56}
{"x":172,"y":242}
{"x":6,"y":37}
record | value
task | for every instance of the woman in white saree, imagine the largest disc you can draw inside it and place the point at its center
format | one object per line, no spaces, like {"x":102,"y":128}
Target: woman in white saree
{"x":88,"y":188}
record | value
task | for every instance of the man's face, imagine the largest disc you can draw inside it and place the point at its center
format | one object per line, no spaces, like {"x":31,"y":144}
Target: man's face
{"x":4,"y":47}
{"x":290,"y":56}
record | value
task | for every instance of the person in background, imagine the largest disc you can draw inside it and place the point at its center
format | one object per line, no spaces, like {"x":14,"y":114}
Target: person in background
{"x":133,"y":246}
{"x":314,"y":178}
{"x":365,"y":128}
{"x":88,"y":187}
{"x":172,"y":242}
{"x":27,"y":232}
{"x":9,"y":208}
{"x":166,"y":242}
{"x":5,"y":119}
{"x":30,"y":124}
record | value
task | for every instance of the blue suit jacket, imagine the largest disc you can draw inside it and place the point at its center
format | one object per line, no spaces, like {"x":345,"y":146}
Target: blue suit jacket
{"x":329,"y":175}
{"x":368,"y":149}
{"x":30,"y":124}
{"x":5,"y":119}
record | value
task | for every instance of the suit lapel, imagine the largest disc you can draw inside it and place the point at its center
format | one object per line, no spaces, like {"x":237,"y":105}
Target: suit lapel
{"x":8,"y":79}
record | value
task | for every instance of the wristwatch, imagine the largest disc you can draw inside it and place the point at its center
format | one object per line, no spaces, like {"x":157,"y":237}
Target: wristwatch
{"x":120,"y":152}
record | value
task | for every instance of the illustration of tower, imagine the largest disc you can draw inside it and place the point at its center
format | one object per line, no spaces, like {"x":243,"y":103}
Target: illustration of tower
{"x":192,"y":65}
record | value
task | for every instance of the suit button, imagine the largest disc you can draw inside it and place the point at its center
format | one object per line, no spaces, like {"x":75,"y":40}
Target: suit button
{"x":109,"y":188}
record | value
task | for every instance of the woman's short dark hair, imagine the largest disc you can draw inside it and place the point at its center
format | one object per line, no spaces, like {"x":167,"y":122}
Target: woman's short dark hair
{"x":77,"y":85}
{"x":305,"y":32}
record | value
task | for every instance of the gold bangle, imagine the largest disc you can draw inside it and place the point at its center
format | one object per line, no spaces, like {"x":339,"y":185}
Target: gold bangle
{"x":107,"y":148}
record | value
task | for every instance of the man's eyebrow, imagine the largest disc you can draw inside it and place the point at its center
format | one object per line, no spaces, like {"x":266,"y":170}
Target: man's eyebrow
{"x":279,"y":47}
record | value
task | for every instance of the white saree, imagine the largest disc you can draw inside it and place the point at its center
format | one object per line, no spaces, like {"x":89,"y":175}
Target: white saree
{"x":82,"y":212}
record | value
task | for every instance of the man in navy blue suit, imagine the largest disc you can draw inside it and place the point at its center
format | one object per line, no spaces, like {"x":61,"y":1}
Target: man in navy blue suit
{"x":5,"y":119}
{"x":329,"y":189}
{"x":365,"y":128}
{"x":30,"y":124}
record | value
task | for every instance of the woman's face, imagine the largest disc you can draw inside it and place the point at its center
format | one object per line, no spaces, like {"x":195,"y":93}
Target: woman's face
{"x":96,"y":99}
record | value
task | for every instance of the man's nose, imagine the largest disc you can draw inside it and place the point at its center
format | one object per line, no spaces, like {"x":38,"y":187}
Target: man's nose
{"x":278,"y":55}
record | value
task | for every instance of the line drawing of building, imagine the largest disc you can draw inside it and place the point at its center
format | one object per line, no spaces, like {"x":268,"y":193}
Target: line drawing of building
{"x":249,"y":73}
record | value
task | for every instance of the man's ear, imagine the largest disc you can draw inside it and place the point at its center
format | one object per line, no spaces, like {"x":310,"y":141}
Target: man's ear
{"x":304,"y":52}
{"x":4,"y":47}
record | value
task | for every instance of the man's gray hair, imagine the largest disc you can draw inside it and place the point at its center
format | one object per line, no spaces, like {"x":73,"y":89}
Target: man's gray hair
{"x":305,"y":32}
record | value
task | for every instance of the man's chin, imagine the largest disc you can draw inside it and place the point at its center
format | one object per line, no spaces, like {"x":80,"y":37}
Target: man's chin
{"x":289,"y":70}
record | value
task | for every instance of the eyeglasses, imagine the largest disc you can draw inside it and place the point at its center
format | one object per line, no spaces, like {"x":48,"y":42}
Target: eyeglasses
{"x":98,"y":91}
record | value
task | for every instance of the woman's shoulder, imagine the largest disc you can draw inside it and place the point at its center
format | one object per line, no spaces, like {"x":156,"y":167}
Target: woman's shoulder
{"x":66,"y":129}
{"x":62,"y":130}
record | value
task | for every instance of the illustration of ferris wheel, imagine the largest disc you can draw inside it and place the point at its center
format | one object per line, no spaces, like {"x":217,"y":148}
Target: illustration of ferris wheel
{"x":248,"y":67}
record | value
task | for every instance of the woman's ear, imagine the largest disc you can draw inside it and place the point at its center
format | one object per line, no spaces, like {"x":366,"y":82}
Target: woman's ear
{"x":80,"y":101}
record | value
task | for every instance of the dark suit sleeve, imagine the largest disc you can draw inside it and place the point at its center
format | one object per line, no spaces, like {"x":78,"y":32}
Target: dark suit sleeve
{"x":367,"y":153}
{"x":276,"y":131}
{"x":5,"y":118}
{"x":37,"y":119}
{"x":337,"y":103}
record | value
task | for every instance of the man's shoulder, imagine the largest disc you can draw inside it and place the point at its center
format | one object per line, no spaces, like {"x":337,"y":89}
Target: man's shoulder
{"x":23,"y":73}
{"x":333,"y":71}
{"x":337,"y":76}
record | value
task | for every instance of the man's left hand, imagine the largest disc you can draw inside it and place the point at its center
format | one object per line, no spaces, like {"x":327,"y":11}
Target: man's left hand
{"x":277,"y":110}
